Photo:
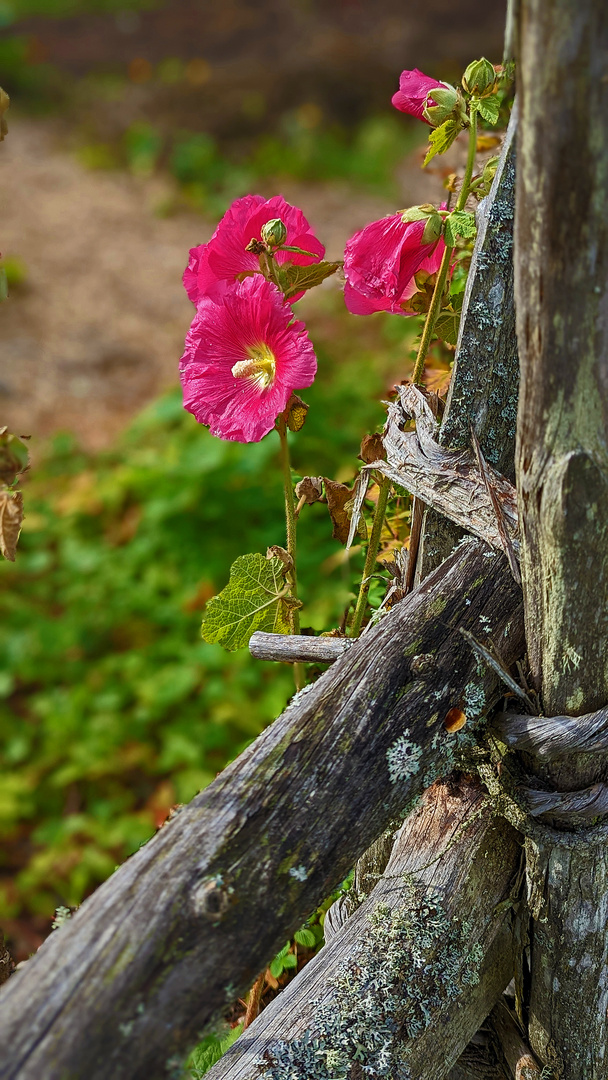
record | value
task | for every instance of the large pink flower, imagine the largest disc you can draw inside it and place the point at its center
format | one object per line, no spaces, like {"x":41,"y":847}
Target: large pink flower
{"x":380,"y":262}
{"x":244,"y":355}
{"x":411,"y":97}
{"x":225,"y":257}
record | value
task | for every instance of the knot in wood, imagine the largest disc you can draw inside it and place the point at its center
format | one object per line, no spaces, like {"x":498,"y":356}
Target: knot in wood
{"x":423,"y":664}
{"x":211,"y":899}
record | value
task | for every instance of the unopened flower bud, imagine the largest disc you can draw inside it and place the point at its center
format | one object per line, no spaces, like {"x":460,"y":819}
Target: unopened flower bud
{"x":443,"y":104}
{"x":432,"y":229}
{"x":274,"y":232}
{"x":480,"y":78}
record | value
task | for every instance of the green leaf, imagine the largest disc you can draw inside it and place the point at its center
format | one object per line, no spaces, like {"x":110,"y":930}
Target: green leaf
{"x":255,"y":598}
{"x":488,"y":108}
{"x":306,"y":938}
{"x":441,"y":139}
{"x":447,"y":325}
{"x":276,"y":967}
{"x":459,"y":223}
{"x":289,"y":961}
{"x":293,"y":279}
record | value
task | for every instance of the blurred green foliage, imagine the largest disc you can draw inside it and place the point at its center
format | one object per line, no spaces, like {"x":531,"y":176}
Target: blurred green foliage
{"x":211,"y":178}
{"x":112,"y":709}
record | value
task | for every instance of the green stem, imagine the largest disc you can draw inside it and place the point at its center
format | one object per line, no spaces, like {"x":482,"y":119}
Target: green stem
{"x":290,"y":521}
{"x":435,"y":307}
{"x":370,"y":558}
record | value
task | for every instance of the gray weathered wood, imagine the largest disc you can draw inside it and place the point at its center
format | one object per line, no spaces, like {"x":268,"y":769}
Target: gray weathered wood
{"x":293,"y":648}
{"x":457,"y":854}
{"x":550,"y":737}
{"x":562,"y":468}
{"x":484,"y":384}
{"x":189,"y":921}
{"x":448,"y":480}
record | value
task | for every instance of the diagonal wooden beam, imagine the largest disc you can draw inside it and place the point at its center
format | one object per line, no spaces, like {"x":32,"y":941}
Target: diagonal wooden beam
{"x":404,"y":1003}
{"x":129,"y":983}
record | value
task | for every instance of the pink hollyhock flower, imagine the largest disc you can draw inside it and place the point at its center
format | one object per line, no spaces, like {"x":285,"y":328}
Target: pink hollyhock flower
{"x":380,"y":262}
{"x":244,"y":355}
{"x":411,"y":97}
{"x":225,"y":257}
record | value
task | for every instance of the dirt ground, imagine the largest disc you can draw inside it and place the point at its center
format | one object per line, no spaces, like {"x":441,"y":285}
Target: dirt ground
{"x":97,"y":329}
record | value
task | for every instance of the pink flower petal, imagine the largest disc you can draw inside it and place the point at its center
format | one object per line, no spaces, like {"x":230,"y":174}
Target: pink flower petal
{"x":411,"y":96}
{"x":247,"y":316}
{"x":380,"y":262}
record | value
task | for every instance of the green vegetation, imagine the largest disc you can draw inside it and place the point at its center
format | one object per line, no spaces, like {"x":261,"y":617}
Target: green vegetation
{"x":112,"y":709}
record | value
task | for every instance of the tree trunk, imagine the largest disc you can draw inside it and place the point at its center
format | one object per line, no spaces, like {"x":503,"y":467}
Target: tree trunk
{"x":562,"y":319}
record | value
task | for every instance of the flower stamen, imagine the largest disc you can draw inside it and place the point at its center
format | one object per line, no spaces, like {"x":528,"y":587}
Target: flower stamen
{"x":260,"y":367}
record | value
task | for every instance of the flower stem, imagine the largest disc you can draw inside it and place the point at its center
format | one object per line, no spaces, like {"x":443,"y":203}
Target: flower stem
{"x":435,"y":307}
{"x":290,"y":521}
{"x":370,"y":558}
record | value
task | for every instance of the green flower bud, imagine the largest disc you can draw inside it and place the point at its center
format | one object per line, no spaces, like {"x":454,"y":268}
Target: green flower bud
{"x":480,"y":78}
{"x":274,"y":232}
{"x":445,"y":100}
{"x":432,"y":229}
{"x":417,"y":213}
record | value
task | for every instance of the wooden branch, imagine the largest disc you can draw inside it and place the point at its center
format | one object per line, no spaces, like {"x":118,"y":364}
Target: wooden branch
{"x":463,"y":862}
{"x":519,"y":1058}
{"x":450,"y":481}
{"x":485,"y":380}
{"x":296,"y":648}
{"x":187,"y":923}
{"x":551,"y":737}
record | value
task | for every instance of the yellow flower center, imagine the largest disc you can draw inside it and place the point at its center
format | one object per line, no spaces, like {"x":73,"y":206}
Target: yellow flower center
{"x":260,"y":367}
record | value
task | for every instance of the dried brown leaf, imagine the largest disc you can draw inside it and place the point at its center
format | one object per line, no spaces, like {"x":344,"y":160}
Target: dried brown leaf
{"x":11,"y":516}
{"x":310,"y":488}
{"x":372,"y":449}
{"x":338,"y":495}
{"x":296,"y":413}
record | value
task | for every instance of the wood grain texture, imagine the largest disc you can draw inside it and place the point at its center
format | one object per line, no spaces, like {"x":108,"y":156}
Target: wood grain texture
{"x":547,"y":738}
{"x":293,"y":648}
{"x":456,"y":853}
{"x":562,"y":469}
{"x":450,"y":481}
{"x":517,"y":1053}
{"x":485,"y":380}
{"x":562,"y":327}
{"x":127,"y":985}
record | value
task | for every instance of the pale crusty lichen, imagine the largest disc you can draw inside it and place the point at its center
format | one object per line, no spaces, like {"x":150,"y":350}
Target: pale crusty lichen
{"x":410,"y":962}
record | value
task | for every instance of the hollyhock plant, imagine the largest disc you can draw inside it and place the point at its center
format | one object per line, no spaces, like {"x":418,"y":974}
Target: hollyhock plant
{"x":226,"y":257}
{"x":380,"y":262}
{"x":414,"y":88}
{"x":244,"y":355}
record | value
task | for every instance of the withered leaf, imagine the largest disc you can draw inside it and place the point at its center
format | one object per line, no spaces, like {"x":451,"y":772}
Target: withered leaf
{"x":338,"y":495}
{"x":13,"y":456}
{"x":277,"y":552}
{"x":372,"y":449}
{"x":296,"y":413}
{"x":310,"y":488}
{"x":11,"y":516}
